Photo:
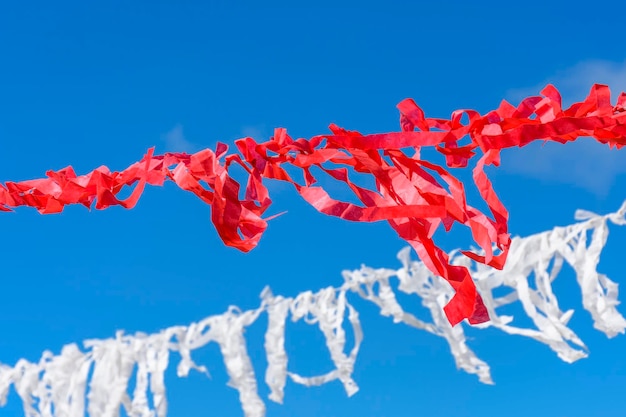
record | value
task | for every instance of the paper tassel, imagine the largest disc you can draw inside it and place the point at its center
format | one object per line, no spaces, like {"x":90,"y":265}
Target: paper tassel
{"x":413,"y":195}
{"x":60,"y":382}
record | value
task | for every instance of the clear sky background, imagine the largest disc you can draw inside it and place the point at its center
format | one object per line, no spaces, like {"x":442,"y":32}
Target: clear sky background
{"x":93,"y":83}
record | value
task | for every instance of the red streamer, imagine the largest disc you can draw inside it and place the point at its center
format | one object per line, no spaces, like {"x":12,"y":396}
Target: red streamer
{"x":412,"y":200}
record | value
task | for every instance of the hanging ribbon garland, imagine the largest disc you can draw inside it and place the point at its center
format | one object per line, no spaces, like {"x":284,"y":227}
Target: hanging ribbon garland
{"x":106,"y":369}
{"x":407,"y":194}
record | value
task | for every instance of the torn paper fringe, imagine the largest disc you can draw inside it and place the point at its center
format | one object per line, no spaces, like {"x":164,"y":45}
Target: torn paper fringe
{"x":58,"y":384}
{"x":416,"y":197}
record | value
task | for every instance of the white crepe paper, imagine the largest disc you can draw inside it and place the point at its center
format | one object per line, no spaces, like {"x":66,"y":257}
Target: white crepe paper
{"x":96,"y":378}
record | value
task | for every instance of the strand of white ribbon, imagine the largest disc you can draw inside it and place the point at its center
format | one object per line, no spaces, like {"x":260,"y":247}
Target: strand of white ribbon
{"x":57,"y":385}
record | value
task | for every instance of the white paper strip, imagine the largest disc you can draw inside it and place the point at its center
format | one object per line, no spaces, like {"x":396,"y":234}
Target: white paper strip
{"x":58,"y":384}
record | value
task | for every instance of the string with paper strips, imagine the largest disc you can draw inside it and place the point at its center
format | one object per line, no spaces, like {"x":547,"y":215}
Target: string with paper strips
{"x":414,"y":196}
{"x":61,"y":382}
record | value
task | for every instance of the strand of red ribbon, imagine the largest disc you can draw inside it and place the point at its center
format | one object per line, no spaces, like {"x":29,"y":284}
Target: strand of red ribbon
{"x":407,"y":194}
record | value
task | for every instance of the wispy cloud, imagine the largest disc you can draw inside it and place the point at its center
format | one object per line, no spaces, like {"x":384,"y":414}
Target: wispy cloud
{"x":584,"y":163}
{"x":574,"y":83}
{"x":175,"y":140}
{"x":256,"y":132}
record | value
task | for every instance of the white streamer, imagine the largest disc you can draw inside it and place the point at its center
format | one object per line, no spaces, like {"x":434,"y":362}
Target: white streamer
{"x":57,"y":386}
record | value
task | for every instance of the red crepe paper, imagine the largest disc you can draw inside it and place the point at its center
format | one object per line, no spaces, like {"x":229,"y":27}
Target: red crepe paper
{"x":406,"y":195}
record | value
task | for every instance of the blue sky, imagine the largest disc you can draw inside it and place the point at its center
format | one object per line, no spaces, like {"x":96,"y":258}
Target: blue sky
{"x":93,"y":83}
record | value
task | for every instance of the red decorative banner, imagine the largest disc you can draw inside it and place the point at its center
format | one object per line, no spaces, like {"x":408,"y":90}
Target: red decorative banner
{"x":407,"y":194}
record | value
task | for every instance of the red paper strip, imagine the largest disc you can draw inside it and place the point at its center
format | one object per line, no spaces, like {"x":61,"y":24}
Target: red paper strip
{"x":407,"y":195}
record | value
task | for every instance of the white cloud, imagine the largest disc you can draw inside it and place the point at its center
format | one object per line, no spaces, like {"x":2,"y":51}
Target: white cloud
{"x":175,"y":140}
{"x":584,"y":163}
{"x":257,"y":133}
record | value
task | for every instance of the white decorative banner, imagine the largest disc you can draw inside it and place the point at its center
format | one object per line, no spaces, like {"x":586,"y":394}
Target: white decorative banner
{"x":58,"y":384}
